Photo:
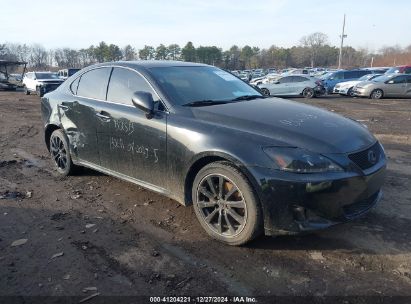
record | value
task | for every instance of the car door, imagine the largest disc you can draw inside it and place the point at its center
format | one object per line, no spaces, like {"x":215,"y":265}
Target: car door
{"x":130,"y":142}
{"x":79,"y":113}
{"x":396,"y":87}
{"x":408,"y":91}
{"x":281,"y":86}
{"x":298,"y":85}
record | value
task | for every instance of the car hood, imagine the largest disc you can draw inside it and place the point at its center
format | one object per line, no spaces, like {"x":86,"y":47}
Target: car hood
{"x":289,"y":123}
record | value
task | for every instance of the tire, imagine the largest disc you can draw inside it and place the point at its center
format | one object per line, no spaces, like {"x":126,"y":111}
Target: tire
{"x":377,"y":94}
{"x":39,"y":92}
{"x":60,"y":153}
{"x":265,"y":92}
{"x":26,"y":91}
{"x":234,"y":219}
{"x":308,"y":93}
{"x":350,"y":92}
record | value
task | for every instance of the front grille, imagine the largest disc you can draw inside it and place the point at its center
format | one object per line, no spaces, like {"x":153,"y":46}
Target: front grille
{"x":358,"y":208}
{"x":367,"y":158}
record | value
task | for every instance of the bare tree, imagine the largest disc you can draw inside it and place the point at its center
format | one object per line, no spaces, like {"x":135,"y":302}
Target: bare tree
{"x":314,"y":42}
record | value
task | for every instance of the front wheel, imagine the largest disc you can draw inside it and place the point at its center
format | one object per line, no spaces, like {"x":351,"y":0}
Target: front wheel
{"x":377,"y":94}
{"x":265,"y":92}
{"x":225,"y":204}
{"x":26,"y":91}
{"x":60,"y":153}
{"x":39,"y":92}
{"x":351,"y":92}
{"x":308,"y":93}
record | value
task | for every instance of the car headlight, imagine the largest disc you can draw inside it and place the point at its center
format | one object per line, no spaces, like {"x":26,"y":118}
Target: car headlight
{"x":300,"y":160}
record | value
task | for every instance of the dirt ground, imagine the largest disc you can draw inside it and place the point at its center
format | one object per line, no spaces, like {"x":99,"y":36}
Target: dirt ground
{"x":91,"y":233}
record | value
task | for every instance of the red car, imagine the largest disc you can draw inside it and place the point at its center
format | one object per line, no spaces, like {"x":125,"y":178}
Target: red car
{"x":403,"y":69}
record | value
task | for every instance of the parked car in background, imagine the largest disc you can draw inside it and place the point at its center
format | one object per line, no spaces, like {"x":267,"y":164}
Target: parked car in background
{"x":331,"y":79}
{"x":195,"y":133}
{"x":293,"y":85}
{"x":66,"y":73}
{"x":389,"y":85}
{"x":295,"y":72}
{"x":41,"y":82}
{"x":404,"y":69}
{"x":347,"y":87}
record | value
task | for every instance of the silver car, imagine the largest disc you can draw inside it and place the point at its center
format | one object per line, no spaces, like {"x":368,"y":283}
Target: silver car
{"x":293,"y":85}
{"x":391,"y":85}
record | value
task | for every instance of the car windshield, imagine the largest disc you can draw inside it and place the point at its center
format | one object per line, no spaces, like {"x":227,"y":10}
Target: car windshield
{"x":47,"y":76}
{"x":383,"y":78}
{"x":187,"y":84}
{"x":393,"y":70}
{"x":325,"y":76}
{"x":366,"y":77}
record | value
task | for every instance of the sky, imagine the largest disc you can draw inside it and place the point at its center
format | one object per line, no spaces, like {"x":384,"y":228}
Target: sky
{"x":370,"y":24}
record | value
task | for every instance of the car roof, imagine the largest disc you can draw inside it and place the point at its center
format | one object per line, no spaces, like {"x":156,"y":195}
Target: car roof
{"x":150,"y":63}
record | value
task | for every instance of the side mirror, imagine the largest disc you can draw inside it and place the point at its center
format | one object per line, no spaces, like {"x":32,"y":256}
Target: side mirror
{"x":144,"y":101}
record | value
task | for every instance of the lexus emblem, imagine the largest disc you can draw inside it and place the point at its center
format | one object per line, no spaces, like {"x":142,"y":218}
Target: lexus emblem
{"x":372,"y":157}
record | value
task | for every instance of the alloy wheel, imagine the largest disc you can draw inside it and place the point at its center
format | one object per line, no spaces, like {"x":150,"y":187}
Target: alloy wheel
{"x":58,"y":152}
{"x":222,"y":205}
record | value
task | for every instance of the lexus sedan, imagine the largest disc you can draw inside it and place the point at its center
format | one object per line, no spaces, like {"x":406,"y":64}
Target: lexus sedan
{"x":387,"y":85}
{"x":248,"y":164}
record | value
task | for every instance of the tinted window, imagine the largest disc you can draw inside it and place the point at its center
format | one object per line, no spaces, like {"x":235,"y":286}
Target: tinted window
{"x":123,"y":83}
{"x":362,"y":73}
{"x":407,"y":70}
{"x":351,"y":75}
{"x":74,"y":85}
{"x":93,"y":84}
{"x":286,"y":79}
{"x":338,"y":76}
{"x":409,"y":79}
{"x":299,"y":79}
{"x":399,"y":79}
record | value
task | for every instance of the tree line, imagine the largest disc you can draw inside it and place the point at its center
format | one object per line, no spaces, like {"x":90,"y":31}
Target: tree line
{"x":312,"y":50}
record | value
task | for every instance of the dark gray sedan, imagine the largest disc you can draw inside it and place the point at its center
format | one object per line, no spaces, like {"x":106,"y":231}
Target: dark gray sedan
{"x":201,"y":136}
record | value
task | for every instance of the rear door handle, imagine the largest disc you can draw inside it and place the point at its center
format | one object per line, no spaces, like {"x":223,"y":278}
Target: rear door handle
{"x":103,"y":117}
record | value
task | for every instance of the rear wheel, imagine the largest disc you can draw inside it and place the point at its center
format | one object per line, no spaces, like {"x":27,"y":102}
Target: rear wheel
{"x":265,"y":91}
{"x":226,"y":205}
{"x":377,"y":94}
{"x":308,"y":93}
{"x":60,"y":153}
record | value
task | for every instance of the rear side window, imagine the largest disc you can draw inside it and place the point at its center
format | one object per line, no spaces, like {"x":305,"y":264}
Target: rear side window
{"x":407,"y":70}
{"x":93,"y":84}
{"x":123,"y":83}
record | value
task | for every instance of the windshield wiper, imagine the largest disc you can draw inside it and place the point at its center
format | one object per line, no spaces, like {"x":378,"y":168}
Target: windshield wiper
{"x":247,"y":97}
{"x":201,"y":103}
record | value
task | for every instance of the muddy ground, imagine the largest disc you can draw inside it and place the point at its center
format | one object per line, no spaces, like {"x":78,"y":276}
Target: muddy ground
{"x":92,"y":233}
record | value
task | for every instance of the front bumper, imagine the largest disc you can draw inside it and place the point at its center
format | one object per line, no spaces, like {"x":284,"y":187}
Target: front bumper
{"x":294,"y":203}
{"x":338,"y":90}
{"x":361,"y":92}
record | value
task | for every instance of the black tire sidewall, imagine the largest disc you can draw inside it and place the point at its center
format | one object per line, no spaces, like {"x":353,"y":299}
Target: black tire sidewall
{"x":253,"y":224}
{"x":377,"y":90}
{"x":265,"y":92}
{"x":308,"y":90}
{"x":69,"y":168}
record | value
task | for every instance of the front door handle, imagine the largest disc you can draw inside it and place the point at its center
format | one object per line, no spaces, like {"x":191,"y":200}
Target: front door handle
{"x":103,"y":117}
{"x":64,"y":108}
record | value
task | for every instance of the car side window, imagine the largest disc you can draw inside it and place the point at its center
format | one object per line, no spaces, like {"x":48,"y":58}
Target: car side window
{"x":287,"y":79}
{"x":299,"y":79}
{"x":399,"y":79}
{"x":407,"y":70}
{"x":123,"y":84}
{"x":93,"y":84}
{"x":409,"y":79}
{"x":350,"y":75}
{"x":338,"y":76}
